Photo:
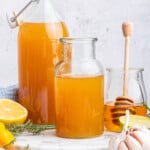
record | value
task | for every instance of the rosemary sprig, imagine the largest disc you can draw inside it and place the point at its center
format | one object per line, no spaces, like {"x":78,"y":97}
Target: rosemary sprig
{"x":25,"y":148}
{"x":17,"y":129}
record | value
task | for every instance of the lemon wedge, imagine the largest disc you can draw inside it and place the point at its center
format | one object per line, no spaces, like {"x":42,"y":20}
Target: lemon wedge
{"x":12,"y":112}
{"x":135,"y":120}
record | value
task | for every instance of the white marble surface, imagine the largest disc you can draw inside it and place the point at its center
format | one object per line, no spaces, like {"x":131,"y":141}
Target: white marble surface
{"x":100,"y":18}
{"x":49,"y":141}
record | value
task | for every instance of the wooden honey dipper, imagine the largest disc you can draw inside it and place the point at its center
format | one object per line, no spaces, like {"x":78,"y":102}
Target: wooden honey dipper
{"x":122,"y":103}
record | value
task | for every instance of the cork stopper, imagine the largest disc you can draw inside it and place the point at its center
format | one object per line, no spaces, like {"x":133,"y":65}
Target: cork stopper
{"x":127,"y":28}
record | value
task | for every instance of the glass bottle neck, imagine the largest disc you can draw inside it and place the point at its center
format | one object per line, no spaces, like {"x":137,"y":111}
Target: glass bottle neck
{"x":77,"y":50}
{"x":133,"y":72}
{"x":41,"y":11}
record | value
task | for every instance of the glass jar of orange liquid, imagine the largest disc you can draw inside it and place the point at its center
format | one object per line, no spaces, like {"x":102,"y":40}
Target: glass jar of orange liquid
{"x":39,"y":49}
{"x":79,"y":90}
{"x":136,"y":90}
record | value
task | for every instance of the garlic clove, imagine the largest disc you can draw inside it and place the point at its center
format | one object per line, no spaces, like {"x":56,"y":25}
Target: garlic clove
{"x":139,"y":136}
{"x":115,"y":141}
{"x":143,"y":139}
{"x":122,"y":146}
{"x":132,"y":143}
{"x":146,"y":146}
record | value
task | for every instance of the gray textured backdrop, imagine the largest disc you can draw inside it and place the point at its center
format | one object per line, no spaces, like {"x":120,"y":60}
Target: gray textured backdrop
{"x":100,"y":18}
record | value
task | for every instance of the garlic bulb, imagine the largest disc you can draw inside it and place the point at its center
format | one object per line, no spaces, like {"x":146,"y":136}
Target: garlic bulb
{"x":135,"y":138}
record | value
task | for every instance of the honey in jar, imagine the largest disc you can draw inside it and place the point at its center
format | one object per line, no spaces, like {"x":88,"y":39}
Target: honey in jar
{"x":113,"y":124}
{"x":136,"y":91}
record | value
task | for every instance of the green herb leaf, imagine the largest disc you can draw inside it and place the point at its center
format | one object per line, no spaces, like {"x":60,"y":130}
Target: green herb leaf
{"x":17,"y":129}
{"x":146,"y":106}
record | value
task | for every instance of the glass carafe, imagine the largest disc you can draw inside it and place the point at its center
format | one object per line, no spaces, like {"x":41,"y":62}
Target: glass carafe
{"x":79,"y":90}
{"x":39,"y":49}
{"x":136,"y":90}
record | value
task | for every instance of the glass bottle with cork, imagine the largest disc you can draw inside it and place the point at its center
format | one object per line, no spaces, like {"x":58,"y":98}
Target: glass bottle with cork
{"x":39,"y":50}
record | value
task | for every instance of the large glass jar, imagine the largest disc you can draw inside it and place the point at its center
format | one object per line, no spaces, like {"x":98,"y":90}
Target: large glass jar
{"x":39,"y":49}
{"x":79,"y":90}
{"x":136,"y":91}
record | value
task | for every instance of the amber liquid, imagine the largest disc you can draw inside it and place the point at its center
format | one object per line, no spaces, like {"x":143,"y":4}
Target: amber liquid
{"x":79,"y":106}
{"x":39,"y":50}
{"x":115,"y":127}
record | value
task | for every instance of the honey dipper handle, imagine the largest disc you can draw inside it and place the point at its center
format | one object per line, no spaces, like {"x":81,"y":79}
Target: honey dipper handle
{"x":126,"y":62}
{"x":127,"y":28}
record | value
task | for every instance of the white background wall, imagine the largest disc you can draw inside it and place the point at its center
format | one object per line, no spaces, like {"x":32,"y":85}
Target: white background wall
{"x":99,"y":18}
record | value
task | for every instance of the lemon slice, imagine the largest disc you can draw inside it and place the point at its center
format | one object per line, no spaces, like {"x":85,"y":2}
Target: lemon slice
{"x":12,"y":112}
{"x":135,"y":120}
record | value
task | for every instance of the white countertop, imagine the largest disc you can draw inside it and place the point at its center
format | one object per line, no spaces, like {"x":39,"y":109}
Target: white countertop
{"x":49,"y":141}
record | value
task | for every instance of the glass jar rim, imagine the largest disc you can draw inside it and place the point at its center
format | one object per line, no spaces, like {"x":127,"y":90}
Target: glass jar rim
{"x":78,"y":39}
{"x":121,"y":69}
